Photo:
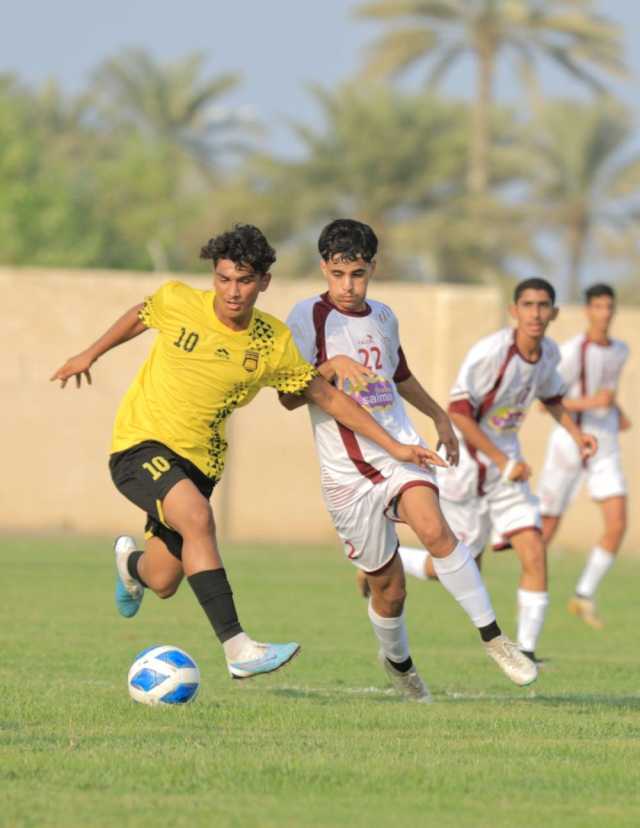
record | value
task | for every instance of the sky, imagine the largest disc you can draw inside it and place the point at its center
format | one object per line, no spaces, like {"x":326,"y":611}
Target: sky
{"x":279,"y":47}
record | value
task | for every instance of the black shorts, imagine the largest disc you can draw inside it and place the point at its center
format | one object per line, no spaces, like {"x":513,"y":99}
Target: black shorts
{"x":145,"y":473}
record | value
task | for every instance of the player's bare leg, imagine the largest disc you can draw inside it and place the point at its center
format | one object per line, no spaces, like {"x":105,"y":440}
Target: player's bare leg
{"x":533,"y":597}
{"x":189,"y":514}
{"x":600,"y":561}
{"x":457,"y":571}
{"x":158,"y":569}
{"x":386,"y":613}
{"x":550,"y":525}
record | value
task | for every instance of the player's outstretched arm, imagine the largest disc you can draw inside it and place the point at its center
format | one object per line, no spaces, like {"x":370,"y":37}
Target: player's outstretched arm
{"x":337,"y":370}
{"x":604,"y":398}
{"x":587,"y":443}
{"x":125,"y":328}
{"x":342,"y":408}
{"x":475,"y":436}
{"x":411,"y":390}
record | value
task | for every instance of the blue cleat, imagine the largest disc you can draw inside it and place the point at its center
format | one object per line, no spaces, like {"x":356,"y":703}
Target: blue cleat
{"x":272,"y":657}
{"x":129,"y":592}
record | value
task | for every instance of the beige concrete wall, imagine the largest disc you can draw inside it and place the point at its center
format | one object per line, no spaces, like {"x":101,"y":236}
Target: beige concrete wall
{"x":56,"y":442}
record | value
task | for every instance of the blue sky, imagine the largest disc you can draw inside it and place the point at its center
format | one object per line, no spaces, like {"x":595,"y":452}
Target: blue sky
{"x":278,"y":46}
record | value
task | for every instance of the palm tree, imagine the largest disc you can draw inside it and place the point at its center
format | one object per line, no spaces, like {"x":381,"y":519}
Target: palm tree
{"x":379,"y":156}
{"x":566,"y":32}
{"x":172,"y":103}
{"x":586,"y":180}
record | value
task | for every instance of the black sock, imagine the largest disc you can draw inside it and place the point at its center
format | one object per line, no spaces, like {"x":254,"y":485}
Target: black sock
{"x":213,"y":591}
{"x":402,"y":666}
{"x":490,"y":632}
{"x":132,"y":567}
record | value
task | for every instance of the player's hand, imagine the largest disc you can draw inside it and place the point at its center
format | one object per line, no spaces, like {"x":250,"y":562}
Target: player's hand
{"x":519,"y":471}
{"x":624,"y":423}
{"x":418,"y":455}
{"x":588,"y":445}
{"x":448,"y":439}
{"x":348,"y":369}
{"x":78,"y":366}
{"x":604,"y":398}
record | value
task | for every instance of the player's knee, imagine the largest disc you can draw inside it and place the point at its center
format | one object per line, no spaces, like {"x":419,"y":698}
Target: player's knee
{"x":199,"y":520}
{"x":437,"y":537}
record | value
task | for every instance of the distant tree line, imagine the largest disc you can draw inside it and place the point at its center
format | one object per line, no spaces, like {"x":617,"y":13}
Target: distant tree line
{"x":142,"y":166}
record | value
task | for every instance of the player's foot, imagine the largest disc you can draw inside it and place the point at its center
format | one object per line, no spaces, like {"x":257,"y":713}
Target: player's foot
{"x":514,"y":664}
{"x":129,"y":592}
{"x":585,"y":608}
{"x":362,"y":585}
{"x":264,"y":658}
{"x":408,"y":684}
{"x":539,"y":662}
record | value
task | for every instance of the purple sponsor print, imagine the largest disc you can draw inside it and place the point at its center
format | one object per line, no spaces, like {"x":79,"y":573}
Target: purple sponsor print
{"x":375,"y":395}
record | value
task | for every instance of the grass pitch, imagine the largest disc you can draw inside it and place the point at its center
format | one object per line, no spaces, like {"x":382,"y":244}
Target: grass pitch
{"x":322,"y":743}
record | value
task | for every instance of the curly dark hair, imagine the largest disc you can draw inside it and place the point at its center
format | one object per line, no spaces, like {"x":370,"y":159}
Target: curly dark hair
{"x":245,"y":245}
{"x":348,"y":240}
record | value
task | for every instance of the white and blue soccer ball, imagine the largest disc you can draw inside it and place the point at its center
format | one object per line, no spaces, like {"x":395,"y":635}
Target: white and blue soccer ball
{"x":163,"y":675}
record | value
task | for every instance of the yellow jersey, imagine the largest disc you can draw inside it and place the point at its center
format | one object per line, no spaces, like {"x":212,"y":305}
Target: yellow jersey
{"x":199,"y":371}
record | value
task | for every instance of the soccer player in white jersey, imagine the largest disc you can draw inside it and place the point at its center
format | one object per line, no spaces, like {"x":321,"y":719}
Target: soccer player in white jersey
{"x":355,"y":343}
{"x":591,"y":365}
{"x":499,"y":378}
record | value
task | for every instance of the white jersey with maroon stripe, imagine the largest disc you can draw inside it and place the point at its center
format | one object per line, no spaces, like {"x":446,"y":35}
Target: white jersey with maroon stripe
{"x":587,"y":367}
{"x":495,"y":386}
{"x":349,"y":464}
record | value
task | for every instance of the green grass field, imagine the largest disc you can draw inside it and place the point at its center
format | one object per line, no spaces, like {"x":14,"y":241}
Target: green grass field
{"x":323,"y":742}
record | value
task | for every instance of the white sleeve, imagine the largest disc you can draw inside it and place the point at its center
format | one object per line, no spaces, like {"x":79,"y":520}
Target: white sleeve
{"x":569,"y":368}
{"x":478,"y":372}
{"x":553,"y":384}
{"x":300,"y":322}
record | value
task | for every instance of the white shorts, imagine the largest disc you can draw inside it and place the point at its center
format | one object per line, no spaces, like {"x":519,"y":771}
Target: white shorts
{"x":505,"y":510}
{"x":366,"y":527}
{"x":564,"y":471}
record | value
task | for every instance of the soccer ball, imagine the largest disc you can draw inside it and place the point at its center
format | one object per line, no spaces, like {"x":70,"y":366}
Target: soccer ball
{"x":163,"y":675}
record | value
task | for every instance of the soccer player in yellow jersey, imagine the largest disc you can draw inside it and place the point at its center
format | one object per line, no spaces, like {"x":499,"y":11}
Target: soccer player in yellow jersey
{"x":213,"y":352}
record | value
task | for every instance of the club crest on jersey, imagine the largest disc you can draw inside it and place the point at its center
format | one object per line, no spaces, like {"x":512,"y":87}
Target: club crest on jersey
{"x":505,"y":418}
{"x":250,"y":361}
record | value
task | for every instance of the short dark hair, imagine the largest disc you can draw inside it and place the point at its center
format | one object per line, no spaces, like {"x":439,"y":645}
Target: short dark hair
{"x":349,"y":240}
{"x":534,"y":284}
{"x":245,"y":245}
{"x":598,"y":290}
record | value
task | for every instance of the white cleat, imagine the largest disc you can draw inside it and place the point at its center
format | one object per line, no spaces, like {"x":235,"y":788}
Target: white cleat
{"x":408,"y":684}
{"x":129,"y":592}
{"x":513,"y":663}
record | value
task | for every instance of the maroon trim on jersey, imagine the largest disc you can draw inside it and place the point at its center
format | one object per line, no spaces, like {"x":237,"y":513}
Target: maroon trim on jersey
{"x":325,"y":298}
{"x":583,"y":375}
{"x":506,"y":542}
{"x":490,"y":396}
{"x":402,"y":371}
{"x":321,"y":311}
{"x":354,"y":453}
{"x":552,"y":400}
{"x":462,"y":407}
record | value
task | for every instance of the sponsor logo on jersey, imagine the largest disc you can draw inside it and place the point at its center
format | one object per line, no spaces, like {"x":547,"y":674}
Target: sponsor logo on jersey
{"x":222,"y":353}
{"x":376,"y":395}
{"x":505,"y":418}
{"x":250,"y":361}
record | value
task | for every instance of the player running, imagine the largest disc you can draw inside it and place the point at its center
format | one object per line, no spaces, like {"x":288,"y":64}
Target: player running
{"x":591,"y":366}
{"x":213,"y":353}
{"x":499,"y":379}
{"x":355,"y":342}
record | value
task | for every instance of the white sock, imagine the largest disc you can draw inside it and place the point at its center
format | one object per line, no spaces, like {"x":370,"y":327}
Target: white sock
{"x":391,"y":634}
{"x":241,"y":648}
{"x":599,"y":563}
{"x":532,"y":608}
{"x":459,"y":574}
{"x":414,"y":561}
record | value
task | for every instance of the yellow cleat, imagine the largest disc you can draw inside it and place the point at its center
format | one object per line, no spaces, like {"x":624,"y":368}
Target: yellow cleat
{"x":585,"y":608}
